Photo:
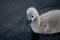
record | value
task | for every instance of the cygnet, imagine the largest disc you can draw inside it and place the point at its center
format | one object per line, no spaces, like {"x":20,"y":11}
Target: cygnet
{"x":46,"y":23}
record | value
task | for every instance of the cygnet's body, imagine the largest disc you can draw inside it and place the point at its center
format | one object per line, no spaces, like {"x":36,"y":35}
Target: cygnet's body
{"x":47,"y":23}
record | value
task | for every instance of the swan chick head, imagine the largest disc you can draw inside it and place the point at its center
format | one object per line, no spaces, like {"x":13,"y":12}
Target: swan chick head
{"x":32,"y":14}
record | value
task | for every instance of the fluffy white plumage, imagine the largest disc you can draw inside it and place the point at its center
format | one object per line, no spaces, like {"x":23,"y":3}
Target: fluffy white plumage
{"x":47,"y":23}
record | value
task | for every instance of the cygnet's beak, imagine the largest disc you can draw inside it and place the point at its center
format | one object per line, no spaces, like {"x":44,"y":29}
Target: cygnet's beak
{"x":30,"y":20}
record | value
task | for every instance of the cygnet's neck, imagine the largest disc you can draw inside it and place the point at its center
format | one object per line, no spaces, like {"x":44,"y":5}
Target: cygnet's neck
{"x":37,"y":21}
{"x":36,"y":24}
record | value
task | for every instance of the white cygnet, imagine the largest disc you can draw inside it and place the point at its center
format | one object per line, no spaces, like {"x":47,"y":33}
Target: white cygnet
{"x":47,"y":23}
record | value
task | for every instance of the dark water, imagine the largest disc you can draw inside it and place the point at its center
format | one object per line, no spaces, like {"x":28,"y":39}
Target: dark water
{"x":13,"y":22}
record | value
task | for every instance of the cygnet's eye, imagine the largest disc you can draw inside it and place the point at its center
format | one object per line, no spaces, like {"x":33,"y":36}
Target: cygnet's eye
{"x":32,"y":16}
